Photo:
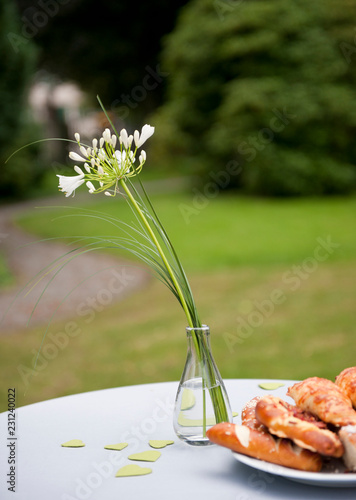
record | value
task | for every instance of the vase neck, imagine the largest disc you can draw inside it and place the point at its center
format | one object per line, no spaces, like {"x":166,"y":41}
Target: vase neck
{"x":203,"y":331}
{"x":198,"y":338}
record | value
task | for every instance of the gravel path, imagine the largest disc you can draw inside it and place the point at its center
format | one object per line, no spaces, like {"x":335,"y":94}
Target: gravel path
{"x":91,"y":281}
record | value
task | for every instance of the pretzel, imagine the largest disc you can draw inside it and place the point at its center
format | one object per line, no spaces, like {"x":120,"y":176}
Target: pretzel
{"x":248,"y":415}
{"x":287,"y":421}
{"x":324,"y":399}
{"x":346,"y":381}
{"x":252,"y":439}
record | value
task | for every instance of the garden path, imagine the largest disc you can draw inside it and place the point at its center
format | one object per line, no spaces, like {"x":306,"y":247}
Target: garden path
{"x":91,"y":281}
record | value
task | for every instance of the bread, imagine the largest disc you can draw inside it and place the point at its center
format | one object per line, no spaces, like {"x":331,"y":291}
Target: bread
{"x":298,"y":436}
{"x":253,"y":439}
{"x":348,"y":437}
{"x":262,"y":445}
{"x":346,"y":381}
{"x":324,"y":399}
{"x":248,"y":415}
{"x":287,"y":421}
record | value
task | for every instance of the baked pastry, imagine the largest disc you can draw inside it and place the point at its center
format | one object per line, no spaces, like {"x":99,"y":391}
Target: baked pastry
{"x":324,"y":399}
{"x":348,"y":437}
{"x":288,"y":421}
{"x":346,"y":381}
{"x":248,"y":415}
{"x":253,"y":439}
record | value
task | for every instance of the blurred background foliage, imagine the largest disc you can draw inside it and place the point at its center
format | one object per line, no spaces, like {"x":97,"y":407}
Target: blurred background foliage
{"x":269,"y":85}
{"x":104,"y":47}
{"x":16,"y":125}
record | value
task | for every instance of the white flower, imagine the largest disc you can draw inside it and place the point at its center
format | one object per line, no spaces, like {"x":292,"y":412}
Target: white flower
{"x":146,"y":133}
{"x":105,"y":165}
{"x":76,"y":157}
{"x":69,"y":184}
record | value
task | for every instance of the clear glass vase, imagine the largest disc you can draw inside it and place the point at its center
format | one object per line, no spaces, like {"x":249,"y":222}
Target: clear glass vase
{"x":201,"y":400}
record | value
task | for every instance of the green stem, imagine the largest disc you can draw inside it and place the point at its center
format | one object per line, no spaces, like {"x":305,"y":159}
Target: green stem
{"x":160,"y":251}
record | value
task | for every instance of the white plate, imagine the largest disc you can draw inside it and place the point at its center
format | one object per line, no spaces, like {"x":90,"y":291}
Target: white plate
{"x":330,"y":479}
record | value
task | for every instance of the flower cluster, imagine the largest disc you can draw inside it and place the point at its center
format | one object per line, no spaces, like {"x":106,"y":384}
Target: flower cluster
{"x":103,"y":164}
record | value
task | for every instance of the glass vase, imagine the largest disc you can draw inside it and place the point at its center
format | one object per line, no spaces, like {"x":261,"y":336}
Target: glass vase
{"x":201,"y":400}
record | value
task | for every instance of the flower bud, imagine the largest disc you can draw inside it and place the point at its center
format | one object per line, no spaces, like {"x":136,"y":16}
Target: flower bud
{"x":91,"y":187}
{"x":107,"y":135}
{"x":78,"y":170}
{"x":123,"y":138}
{"x":76,"y":157}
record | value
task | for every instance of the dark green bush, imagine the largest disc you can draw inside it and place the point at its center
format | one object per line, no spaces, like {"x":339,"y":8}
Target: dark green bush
{"x":268,"y":84}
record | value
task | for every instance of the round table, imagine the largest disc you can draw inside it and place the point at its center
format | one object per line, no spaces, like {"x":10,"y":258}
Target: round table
{"x":134,"y":414}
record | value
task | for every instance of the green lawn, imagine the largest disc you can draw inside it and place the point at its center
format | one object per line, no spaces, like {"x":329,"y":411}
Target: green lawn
{"x":274,"y":279}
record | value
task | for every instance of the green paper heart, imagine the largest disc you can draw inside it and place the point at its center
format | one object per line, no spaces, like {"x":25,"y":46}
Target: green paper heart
{"x":270,"y":386}
{"x":132,"y":470}
{"x":116,"y":447}
{"x":159,"y":443}
{"x":73,"y":443}
{"x":146,"y":456}
{"x":188,"y":399}
{"x":189,"y":422}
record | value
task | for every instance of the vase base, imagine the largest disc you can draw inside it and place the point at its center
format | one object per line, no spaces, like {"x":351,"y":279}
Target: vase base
{"x":198,"y":441}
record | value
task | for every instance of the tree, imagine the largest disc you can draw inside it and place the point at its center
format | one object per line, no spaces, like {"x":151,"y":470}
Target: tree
{"x":268,"y":85}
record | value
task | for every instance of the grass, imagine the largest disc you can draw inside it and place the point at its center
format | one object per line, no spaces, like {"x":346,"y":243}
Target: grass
{"x":228,"y":232}
{"x":279,"y":299}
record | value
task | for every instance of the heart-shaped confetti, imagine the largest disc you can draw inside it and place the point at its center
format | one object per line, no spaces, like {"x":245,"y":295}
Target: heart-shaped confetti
{"x":145,"y":456}
{"x":74,"y":443}
{"x":198,"y":422}
{"x":159,"y":443}
{"x":116,"y":447}
{"x":270,"y":386}
{"x":132,"y":470}
{"x":188,"y":399}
